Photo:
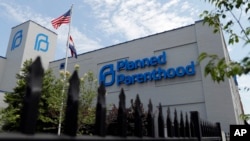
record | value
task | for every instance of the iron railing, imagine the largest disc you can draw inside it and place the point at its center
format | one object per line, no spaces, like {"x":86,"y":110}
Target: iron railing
{"x":188,"y":128}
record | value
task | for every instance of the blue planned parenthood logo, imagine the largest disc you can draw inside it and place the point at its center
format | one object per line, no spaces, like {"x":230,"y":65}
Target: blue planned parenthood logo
{"x":105,"y":72}
{"x":109,"y":76}
{"x":42,"y":43}
{"x":17,"y":39}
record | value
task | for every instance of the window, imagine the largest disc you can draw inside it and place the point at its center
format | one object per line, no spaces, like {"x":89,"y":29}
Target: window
{"x":62,"y":66}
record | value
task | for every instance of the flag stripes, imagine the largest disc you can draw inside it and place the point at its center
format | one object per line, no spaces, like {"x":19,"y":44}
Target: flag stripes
{"x":72,"y":47}
{"x":64,"y":19}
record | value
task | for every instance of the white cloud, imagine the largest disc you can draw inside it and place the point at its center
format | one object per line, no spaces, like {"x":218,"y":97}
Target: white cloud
{"x":16,"y":13}
{"x":243,"y":82}
{"x":134,"y":19}
{"x":230,"y":48}
{"x":170,"y":4}
{"x":82,"y":42}
{"x":21,"y":14}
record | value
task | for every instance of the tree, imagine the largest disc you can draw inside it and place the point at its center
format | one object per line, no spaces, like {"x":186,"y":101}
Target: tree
{"x":217,"y":67}
{"x":88,"y":90}
{"x":86,"y":113}
{"x":226,"y":16}
{"x":112,"y":121}
{"x":50,"y":101}
{"x":48,"y":106}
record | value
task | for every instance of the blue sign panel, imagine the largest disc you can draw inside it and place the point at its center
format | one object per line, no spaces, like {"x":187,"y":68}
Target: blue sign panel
{"x":41,"y":43}
{"x":156,"y":74}
{"x":17,"y":39}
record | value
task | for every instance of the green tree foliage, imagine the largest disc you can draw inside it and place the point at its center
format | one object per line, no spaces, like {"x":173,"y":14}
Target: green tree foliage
{"x":10,"y":116}
{"x":225,"y":11}
{"x":88,"y":91}
{"x":47,"y":119}
{"x":50,"y":101}
{"x":227,"y":16}
{"x":112,"y":123}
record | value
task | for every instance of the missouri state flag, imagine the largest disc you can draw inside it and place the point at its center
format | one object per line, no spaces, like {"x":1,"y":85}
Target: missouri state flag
{"x":72,"y":47}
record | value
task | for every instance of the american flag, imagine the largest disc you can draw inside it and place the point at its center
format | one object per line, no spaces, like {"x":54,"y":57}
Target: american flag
{"x":64,"y":19}
{"x":72,"y":47}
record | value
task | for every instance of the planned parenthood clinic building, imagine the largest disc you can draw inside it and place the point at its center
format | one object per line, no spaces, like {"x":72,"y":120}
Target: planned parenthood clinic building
{"x":161,"y":67}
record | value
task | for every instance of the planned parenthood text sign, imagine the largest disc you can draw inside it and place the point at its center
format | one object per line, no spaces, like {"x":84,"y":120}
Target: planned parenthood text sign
{"x":119,"y":76}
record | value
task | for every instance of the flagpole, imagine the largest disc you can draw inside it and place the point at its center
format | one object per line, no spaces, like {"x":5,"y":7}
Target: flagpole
{"x":64,"y":79}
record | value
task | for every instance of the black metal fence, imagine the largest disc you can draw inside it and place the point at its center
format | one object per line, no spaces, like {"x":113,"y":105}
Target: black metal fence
{"x":187,"y":128}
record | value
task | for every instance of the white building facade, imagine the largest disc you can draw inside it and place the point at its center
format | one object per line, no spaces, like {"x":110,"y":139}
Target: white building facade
{"x":27,"y":41}
{"x":161,"y":67}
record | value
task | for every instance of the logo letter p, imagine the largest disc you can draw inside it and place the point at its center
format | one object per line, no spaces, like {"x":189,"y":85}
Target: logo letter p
{"x":41,"y":39}
{"x":103,"y":75}
{"x":17,"y":39}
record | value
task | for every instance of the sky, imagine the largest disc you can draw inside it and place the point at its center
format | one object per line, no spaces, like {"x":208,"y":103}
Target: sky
{"x":101,"y":23}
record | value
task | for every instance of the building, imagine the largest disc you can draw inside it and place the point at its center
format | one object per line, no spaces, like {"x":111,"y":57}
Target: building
{"x":27,"y":40}
{"x":161,"y":67}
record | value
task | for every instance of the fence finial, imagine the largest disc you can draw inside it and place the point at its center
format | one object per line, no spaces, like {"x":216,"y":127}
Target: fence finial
{"x":138,"y":117}
{"x":32,"y":96}
{"x":122,"y":116}
{"x":71,"y":116}
{"x":160,"y":122}
{"x":150,"y":106}
{"x":169,"y":124}
{"x":150,"y":120}
{"x":100,"y":120}
{"x":187,"y":126}
{"x":195,"y":120}
{"x":176,"y":124}
{"x":182,"y":127}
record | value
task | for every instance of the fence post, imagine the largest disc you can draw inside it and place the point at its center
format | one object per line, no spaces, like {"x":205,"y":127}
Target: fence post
{"x":209,"y":130}
{"x":138,"y":117}
{"x":176,"y":124}
{"x":32,"y":96}
{"x":182,"y":127}
{"x":187,"y":127}
{"x":195,"y":119}
{"x":169,"y":124}
{"x":71,"y":114}
{"x":150,"y":120}
{"x":100,"y":120}
{"x":122,"y":116}
{"x":219,"y":133}
{"x":160,"y":122}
